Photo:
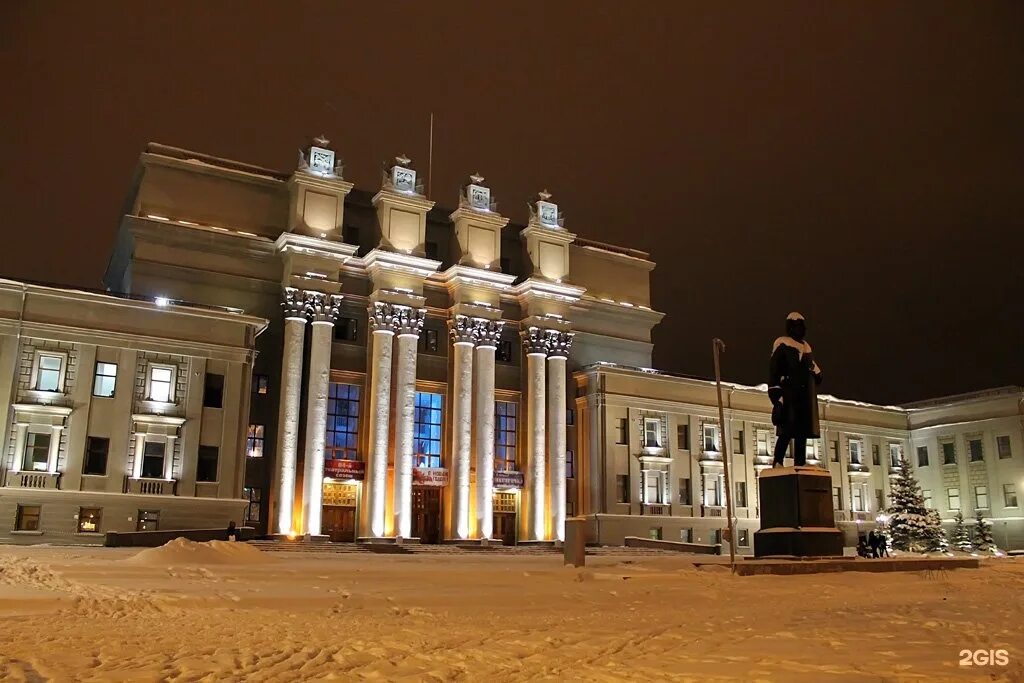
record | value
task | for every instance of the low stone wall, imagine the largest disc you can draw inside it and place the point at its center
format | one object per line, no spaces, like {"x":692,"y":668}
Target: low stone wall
{"x":699,"y":548}
{"x":152,"y":539}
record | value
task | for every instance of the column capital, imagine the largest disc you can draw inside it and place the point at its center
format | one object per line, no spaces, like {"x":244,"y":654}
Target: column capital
{"x":294,"y":304}
{"x":487,"y":332}
{"x":462,"y":329}
{"x":322,"y":308}
{"x":410,"y":320}
{"x":384,"y":316}
{"x":534,"y":340}
{"x":559,"y":343}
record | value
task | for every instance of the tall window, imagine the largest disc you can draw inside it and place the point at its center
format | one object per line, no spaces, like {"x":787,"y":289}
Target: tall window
{"x":895,"y":455}
{"x":833,"y":448}
{"x":570,"y":465}
{"x":213,"y":390}
{"x":161,"y":383}
{"x":683,"y":436}
{"x":48,"y":371}
{"x":922,"y":456}
{"x":712,"y":491}
{"x":927,"y":495}
{"x":1009,"y":495}
{"x":953,"y":498}
{"x":346,"y":329}
{"x":684,"y":491}
{"x":710,"y":438}
{"x":880,"y":500}
{"x":652,"y":432}
{"x":427,"y":429}
{"x":206,"y":465}
{"x":623,"y":431}
{"x":948,"y":453}
{"x":737,"y":442}
{"x":342,"y":422}
{"x":981,"y":497}
{"x":743,"y":538}
{"x":653,"y":488}
{"x":96,"y":449}
{"x":254,"y":496}
{"x":27,"y":518}
{"x":764,"y":443}
{"x":429,"y":338}
{"x":974,"y":447}
{"x":105,"y":380}
{"x":89,"y":520}
{"x":570,"y":416}
{"x":876,"y":454}
{"x":1003,"y":447}
{"x":153,"y":459}
{"x":837,"y":498}
{"x":858,"y":499}
{"x":741,"y":494}
{"x":856,"y":452}
{"x":503,"y":353}
{"x":622,"y":488}
{"x":261,"y":385}
{"x":254,"y":441}
{"x":505,"y":436}
{"x":36,"y":457}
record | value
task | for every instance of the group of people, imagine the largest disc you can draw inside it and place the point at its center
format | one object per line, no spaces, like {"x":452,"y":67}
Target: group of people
{"x":873,"y":545}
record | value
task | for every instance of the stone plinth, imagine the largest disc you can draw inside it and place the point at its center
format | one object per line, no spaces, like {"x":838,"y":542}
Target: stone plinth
{"x":797,"y":519}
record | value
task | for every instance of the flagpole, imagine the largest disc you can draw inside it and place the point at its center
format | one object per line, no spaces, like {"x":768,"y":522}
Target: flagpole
{"x":717,"y":347}
{"x":430,"y":156}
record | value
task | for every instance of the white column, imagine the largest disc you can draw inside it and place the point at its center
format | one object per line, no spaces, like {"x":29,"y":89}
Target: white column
{"x":54,"y":453}
{"x":169,"y":458}
{"x":20,"y":436}
{"x":382,"y":320}
{"x":140,"y":450}
{"x":536,"y":353}
{"x":488,"y":333}
{"x":288,"y":413}
{"x":461,"y":328}
{"x":324,"y":309}
{"x":410,"y":322}
{"x":556,"y":443}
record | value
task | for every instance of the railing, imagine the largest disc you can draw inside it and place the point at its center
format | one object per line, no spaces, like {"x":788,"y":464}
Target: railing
{"x":152,"y":487}
{"x":857,"y":468}
{"x":34,"y":480}
{"x":714,"y":511}
{"x":652,"y":509}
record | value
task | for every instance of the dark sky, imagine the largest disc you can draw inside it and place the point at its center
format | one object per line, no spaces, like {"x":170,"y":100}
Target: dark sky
{"x":859,"y":162}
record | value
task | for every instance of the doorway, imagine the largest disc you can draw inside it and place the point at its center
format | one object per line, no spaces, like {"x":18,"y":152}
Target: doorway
{"x":505,"y":527}
{"x":426,"y":514}
{"x":339,"y":523}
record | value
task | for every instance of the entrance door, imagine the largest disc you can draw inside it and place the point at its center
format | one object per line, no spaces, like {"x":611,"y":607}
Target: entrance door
{"x":426,"y":514}
{"x":505,"y":527}
{"x":340,"y":523}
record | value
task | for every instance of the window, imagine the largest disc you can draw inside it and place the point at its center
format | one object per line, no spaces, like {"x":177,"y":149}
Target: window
{"x":430,"y":340}
{"x":505,"y":413}
{"x":743,"y":538}
{"x":622,"y":488}
{"x":812,"y":449}
{"x":948,"y":452}
{"x":346,"y":329}
{"x":206,"y":465}
{"x":570,"y":417}
{"x":161,"y":383}
{"x":684,"y":492}
{"x":36,"y":457}
{"x":153,"y":459}
{"x":652,"y":432}
{"x":741,"y":494}
{"x":254,"y":441}
{"x":927,"y":495}
{"x":213,"y":391}
{"x":427,"y":430}
{"x":833,"y":452}
{"x":570,"y":465}
{"x":570,"y":508}
{"x":880,"y":500}
{"x":683,"y":436}
{"x":716,"y":537}
{"x":260,"y":385}
{"x":712,"y":491}
{"x":974,"y":448}
{"x":876,"y":454}
{"x":342,"y":439}
{"x":981,"y":497}
{"x":654,"y":533}
{"x":710,"y":438}
{"x":89,"y":520}
{"x":105,"y":379}
{"x":922,"y":456}
{"x":623,"y":429}
{"x":837,"y":498}
{"x":764,"y":443}
{"x":953,"y":498}
{"x":653,"y":489}
{"x":895,"y":455}
{"x":737,"y":442}
{"x":27,"y":518}
{"x":856,"y":452}
{"x":1009,"y":495}
{"x":49,"y":373}
{"x":858,"y":499}
{"x":96,"y":449}
{"x":686,"y":535}
{"x":252,"y":510}
{"x":148,"y":520}
{"x":504,"y":351}
{"x":1003,"y":447}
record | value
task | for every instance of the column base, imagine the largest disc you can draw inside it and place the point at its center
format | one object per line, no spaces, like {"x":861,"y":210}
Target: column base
{"x":387,"y":540}
{"x":307,"y":538}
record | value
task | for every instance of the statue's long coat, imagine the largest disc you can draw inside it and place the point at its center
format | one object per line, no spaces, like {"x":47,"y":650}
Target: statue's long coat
{"x":794,"y":376}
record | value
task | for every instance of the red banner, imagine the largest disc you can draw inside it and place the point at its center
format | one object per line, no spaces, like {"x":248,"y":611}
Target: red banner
{"x":429,"y":476}
{"x":345,"y":469}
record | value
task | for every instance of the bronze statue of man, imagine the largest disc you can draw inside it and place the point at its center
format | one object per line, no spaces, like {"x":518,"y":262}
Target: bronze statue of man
{"x":793,"y":389}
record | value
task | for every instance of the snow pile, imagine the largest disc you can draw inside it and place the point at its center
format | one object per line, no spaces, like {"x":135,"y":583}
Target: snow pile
{"x":183,"y":551}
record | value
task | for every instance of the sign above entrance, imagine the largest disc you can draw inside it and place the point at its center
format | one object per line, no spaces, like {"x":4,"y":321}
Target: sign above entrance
{"x":430,"y":476}
{"x":345,"y":469}
{"x":508,"y":480}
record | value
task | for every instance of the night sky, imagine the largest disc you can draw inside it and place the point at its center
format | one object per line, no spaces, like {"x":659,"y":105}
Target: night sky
{"x":860,"y":162}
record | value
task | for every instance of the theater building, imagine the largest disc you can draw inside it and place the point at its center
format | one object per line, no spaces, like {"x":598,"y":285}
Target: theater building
{"x":120,"y":414}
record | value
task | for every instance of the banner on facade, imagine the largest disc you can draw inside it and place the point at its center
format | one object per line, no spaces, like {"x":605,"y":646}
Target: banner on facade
{"x":429,"y":476}
{"x":345,"y":469}
{"x":508,"y":480}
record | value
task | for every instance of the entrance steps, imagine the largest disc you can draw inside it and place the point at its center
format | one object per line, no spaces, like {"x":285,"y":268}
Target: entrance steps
{"x":302,"y":547}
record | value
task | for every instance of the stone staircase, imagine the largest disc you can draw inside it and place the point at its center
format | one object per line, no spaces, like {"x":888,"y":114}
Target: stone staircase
{"x":326,"y":548}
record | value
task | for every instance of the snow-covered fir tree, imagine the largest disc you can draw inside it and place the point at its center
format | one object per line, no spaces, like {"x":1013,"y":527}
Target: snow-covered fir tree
{"x":911,"y":527}
{"x":983,"y":534}
{"x":960,"y":536}
{"x":936,"y":539}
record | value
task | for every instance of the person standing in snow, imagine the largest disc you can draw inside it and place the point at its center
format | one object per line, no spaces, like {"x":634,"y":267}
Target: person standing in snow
{"x":873,"y":538}
{"x":232,"y":533}
{"x":793,"y":389}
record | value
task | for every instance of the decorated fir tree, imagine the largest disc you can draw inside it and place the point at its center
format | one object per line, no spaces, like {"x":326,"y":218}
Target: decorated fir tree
{"x":961,"y":536}
{"x":911,"y":527}
{"x":983,"y":534}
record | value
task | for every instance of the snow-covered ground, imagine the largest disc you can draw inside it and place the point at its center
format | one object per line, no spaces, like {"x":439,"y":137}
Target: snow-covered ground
{"x":210,"y":612}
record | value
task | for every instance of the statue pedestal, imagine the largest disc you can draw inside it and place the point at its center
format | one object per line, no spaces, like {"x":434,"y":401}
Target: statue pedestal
{"x":797,"y":519}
